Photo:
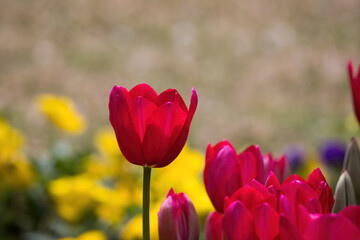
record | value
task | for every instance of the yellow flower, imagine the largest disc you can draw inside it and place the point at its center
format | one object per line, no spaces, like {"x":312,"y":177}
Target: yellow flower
{"x":90,"y":235}
{"x":72,"y":195}
{"x":62,"y":112}
{"x":15,"y":169}
{"x":16,"y":172}
{"x":105,"y":142}
{"x":111,"y":203}
{"x":133,"y":229}
{"x":11,"y":140}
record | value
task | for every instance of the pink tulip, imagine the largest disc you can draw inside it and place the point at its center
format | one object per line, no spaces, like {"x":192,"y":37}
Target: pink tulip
{"x":225,"y":171}
{"x":213,"y":226}
{"x":177,"y":218}
{"x":355,"y":88}
{"x":151,"y":129}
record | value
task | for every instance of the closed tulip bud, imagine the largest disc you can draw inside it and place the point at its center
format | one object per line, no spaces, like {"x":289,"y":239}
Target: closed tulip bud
{"x":352,"y":165}
{"x":151,"y":129}
{"x":177,"y":218}
{"x":344,"y":193}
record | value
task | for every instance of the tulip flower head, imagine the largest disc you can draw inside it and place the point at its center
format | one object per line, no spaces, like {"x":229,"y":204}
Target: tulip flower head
{"x":177,"y":218}
{"x":151,"y":129}
{"x":355,"y":88}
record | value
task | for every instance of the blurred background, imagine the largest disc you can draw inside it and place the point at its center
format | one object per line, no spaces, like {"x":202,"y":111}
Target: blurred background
{"x":267,"y":73}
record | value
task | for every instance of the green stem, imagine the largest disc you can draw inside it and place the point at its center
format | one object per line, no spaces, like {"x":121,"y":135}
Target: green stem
{"x":146,"y":203}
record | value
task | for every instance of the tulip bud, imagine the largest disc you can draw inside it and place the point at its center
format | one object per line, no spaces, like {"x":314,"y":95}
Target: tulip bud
{"x":177,"y":218}
{"x":344,"y":193}
{"x":352,"y":165}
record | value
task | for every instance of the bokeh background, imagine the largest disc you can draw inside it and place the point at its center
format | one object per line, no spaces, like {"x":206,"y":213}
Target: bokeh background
{"x":272,"y":73}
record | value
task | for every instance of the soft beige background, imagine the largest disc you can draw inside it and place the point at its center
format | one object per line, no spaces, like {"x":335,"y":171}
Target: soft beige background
{"x":266,"y":72}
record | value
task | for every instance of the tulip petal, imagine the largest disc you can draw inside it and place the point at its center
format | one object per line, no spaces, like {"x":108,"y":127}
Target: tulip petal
{"x":249,"y":197}
{"x":238,"y":224}
{"x":272,"y":181}
{"x":315,"y":178}
{"x":179,"y":143}
{"x":213,"y":226}
{"x":248,"y":167}
{"x":266,"y":221}
{"x":221,"y":175}
{"x":288,"y":231}
{"x":141,"y":109}
{"x":163,"y":126}
{"x":144,"y":91}
{"x":171,"y":95}
{"x":255,"y":150}
{"x":120,"y":118}
{"x":353,"y":214}
{"x":331,"y":227}
{"x":355,"y":88}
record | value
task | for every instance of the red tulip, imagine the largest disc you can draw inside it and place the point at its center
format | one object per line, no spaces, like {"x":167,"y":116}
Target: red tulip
{"x":177,"y":218}
{"x":225,"y":171}
{"x":151,"y":129}
{"x":213,"y":226}
{"x":355,"y":88}
{"x":280,"y":167}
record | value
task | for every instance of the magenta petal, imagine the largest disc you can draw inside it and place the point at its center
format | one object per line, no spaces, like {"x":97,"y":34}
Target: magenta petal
{"x":221,"y":175}
{"x":332,"y":227}
{"x":255,"y":150}
{"x":213,"y":226}
{"x":141,"y":109}
{"x":352,"y":213}
{"x":238,"y":224}
{"x":249,"y":196}
{"x":266,"y":221}
{"x":171,"y":95}
{"x":248,"y":167}
{"x":144,"y":91}
{"x":168,"y":218}
{"x":120,"y":118}
{"x":177,"y":218}
{"x":288,"y":231}
{"x":272,"y":181}
{"x":355,"y":88}
{"x":162,"y":127}
{"x":179,"y":142}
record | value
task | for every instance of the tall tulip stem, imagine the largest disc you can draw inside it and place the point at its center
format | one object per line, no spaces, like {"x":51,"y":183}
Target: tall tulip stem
{"x":146,"y":203}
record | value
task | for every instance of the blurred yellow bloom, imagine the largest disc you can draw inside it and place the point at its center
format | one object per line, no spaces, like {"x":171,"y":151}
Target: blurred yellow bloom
{"x":90,"y":235}
{"x":111,"y":203}
{"x":62,"y":112}
{"x":133,"y":229}
{"x":16,"y":172}
{"x":72,"y":195}
{"x":105,"y":142}
{"x":11,"y":140}
{"x":183,"y":175}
